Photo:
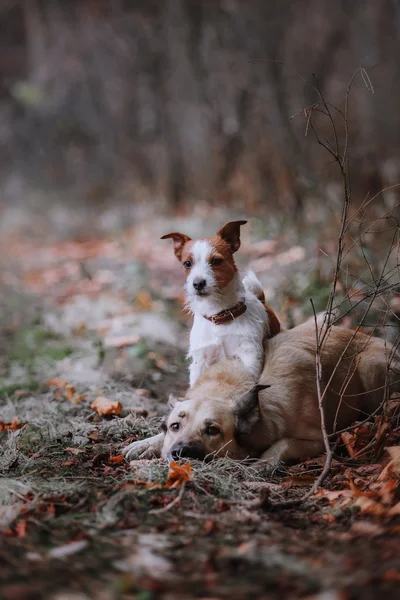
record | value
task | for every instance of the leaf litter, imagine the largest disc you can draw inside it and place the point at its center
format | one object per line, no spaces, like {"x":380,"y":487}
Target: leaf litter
{"x":153,"y":528}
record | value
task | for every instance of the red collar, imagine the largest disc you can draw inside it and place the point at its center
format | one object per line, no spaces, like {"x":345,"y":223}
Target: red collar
{"x":228,"y":315}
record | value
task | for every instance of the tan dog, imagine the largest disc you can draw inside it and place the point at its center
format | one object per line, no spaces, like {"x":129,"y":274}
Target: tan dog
{"x":226,"y":414}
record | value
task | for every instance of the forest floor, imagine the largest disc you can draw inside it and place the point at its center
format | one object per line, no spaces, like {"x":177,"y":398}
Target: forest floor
{"x":88,"y":313}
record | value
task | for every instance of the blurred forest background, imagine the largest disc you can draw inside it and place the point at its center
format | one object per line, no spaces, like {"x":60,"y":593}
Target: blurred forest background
{"x":181,"y":101}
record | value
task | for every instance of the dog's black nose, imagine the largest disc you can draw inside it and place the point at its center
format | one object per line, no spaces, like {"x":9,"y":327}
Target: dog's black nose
{"x":187,"y":451}
{"x":199,"y":284}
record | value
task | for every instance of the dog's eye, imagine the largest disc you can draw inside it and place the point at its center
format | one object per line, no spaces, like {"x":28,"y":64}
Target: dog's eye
{"x":213,"y":430}
{"x":175,"y":426}
{"x":187,"y":264}
{"x":216,"y":261}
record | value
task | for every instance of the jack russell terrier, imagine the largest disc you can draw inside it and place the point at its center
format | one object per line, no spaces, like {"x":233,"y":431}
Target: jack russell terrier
{"x":231,"y":319}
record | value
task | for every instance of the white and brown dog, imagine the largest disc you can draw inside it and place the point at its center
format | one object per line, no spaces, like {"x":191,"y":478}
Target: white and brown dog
{"x":231,"y":319}
{"x":228,"y":413}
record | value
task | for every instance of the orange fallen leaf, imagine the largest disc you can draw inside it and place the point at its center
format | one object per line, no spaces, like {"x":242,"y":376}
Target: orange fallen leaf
{"x":143,"y":300}
{"x":106,"y":406}
{"x":69,"y":391}
{"x":116,"y":459}
{"x":13,"y":426}
{"x":391,"y":575}
{"x":178,"y":474}
{"x":57,"y":382}
{"x":209,"y":526}
{"x":20,"y":528}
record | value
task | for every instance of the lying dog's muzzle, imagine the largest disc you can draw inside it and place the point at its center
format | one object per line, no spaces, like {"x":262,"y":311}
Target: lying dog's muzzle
{"x":183,"y":450}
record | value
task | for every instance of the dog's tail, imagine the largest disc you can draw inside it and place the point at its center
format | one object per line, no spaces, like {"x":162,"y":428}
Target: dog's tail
{"x":252,"y":284}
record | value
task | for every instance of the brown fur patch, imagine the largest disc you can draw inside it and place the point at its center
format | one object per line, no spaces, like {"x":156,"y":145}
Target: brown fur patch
{"x":180,"y":240}
{"x":274,"y":324}
{"x":225,"y":272}
{"x":230,"y":232}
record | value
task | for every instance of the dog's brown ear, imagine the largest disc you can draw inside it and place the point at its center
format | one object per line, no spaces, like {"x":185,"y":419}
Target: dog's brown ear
{"x":246,"y":412}
{"x":180,"y":240}
{"x":231,"y":234}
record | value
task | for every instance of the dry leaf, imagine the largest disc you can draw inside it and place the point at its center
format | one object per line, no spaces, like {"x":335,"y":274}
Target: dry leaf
{"x":57,"y":382}
{"x":209,"y":526}
{"x":329,"y":518}
{"x":366,"y":528}
{"x":116,"y":459}
{"x":69,"y":463}
{"x":13,"y":426}
{"x":369,"y":506}
{"x":75,"y":451}
{"x":21,"y":393}
{"x":159,"y":361}
{"x":20,"y":528}
{"x":391,"y":575}
{"x":106,"y":406}
{"x":395,"y":510}
{"x":298,"y":481}
{"x":334,"y":495}
{"x":69,"y":391}
{"x":144,"y":301}
{"x":120,"y":341}
{"x":349,"y":441}
{"x":178,"y":474}
{"x":392,"y":469}
{"x":142,"y":392}
{"x":356,"y":440}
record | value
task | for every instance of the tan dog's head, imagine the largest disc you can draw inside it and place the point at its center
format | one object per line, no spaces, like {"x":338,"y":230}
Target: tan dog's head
{"x":214,"y":417}
{"x":208,"y":262}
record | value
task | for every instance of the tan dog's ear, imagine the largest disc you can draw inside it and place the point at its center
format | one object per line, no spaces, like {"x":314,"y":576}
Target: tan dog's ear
{"x":172,"y":400}
{"x":180,"y":240}
{"x":246,"y":412}
{"x":231,"y":234}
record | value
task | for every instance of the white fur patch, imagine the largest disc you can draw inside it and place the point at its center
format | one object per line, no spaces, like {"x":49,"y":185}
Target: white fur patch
{"x":201,"y":269}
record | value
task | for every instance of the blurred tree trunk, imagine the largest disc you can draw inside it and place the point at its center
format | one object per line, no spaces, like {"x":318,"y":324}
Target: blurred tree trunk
{"x":192,"y":100}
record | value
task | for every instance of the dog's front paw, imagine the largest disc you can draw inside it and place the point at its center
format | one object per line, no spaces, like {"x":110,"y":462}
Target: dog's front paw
{"x":148,"y":448}
{"x":139,"y":449}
